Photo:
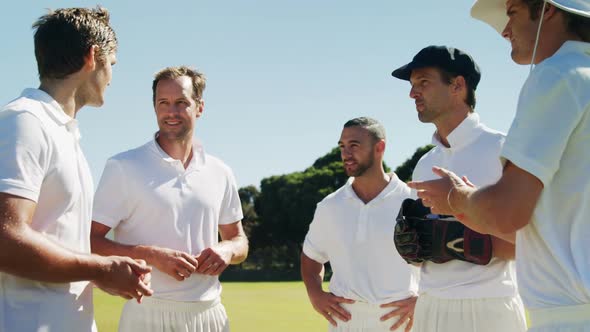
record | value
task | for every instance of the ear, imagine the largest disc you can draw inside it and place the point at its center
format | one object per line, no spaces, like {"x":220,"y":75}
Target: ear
{"x":380,"y":146}
{"x":90,"y":58}
{"x":550,"y":11}
{"x":458,"y":84}
{"x":200,"y":108}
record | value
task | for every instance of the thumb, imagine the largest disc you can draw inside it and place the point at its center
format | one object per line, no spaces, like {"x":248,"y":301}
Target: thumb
{"x":466,"y":180}
{"x":443,"y":173}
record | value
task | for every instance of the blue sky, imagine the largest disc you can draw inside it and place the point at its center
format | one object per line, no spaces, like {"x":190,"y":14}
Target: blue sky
{"x":283,"y":76}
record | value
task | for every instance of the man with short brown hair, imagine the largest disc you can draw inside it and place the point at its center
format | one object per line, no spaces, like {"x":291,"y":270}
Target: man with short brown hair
{"x":544,"y":189}
{"x":46,"y":187}
{"x":167,"y":201}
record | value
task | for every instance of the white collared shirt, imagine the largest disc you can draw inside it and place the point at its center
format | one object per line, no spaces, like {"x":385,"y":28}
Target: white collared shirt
{"x":550,"y":139}
{"x":149,"y":198}
{"x":41,"y":160}
{"x":474,"y":151}
{"x":357,"y":239}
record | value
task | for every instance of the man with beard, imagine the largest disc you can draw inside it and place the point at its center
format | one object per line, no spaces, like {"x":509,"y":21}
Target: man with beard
{"x":167,"y":202}
{"x":458,"y":295}
{"x":372,"y":288}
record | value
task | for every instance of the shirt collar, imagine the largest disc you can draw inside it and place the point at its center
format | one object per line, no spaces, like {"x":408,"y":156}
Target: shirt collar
{"x":574,"y":46}
{"x":391,"y":187}
{"x":463,"y":134}
{"x":54,"y":110}
{"x":196,"y":163}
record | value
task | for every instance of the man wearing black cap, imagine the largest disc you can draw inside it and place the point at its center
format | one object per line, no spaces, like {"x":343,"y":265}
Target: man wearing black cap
{"x":458,"y":295}
{"x":544,"y":191}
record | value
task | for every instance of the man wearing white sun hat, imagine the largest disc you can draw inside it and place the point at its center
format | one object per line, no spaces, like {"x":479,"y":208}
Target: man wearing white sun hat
{"x":544,"y":191}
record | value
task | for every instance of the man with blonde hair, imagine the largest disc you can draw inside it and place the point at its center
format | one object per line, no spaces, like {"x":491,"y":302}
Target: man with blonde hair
{"x":167,"y":201}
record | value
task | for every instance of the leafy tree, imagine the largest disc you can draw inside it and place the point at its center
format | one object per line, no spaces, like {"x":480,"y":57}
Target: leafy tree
{"x":405,"y":170}
{"x":248,"y":196}
{"x":277,"y":217}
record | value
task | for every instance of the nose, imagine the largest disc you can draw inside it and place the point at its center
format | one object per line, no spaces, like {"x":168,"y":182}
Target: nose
{"x":506,"y":33}
{"x":414,"y":93}
{"x":344,"y":153}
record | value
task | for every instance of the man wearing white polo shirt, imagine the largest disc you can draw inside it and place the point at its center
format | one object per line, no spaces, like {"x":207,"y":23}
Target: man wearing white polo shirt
{"x":46,"y":187}
{"x":457,"y":295}
{"x":167,"y":201}
{"x":372,"y":288}
{"x":544,"y":190}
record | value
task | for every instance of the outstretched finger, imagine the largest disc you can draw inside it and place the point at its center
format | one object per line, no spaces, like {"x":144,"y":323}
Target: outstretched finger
{"x":393,"y":313}
{"x":405,"y":319}
{"x":341,"y":299}
{"x":442,"y":172}
{"x":466,"y":180}
{"x":340,"y":312}
{"x":399,"y":303}
{"x":144,"y":289}
{"x":328,"y":316}
{"x":418,"y":185}
{"x":410,"y":323}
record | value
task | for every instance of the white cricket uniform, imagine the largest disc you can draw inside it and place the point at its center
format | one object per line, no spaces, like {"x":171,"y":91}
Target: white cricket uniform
{"x":149,"y":198}
{"x":41,"y":160}
{"x":474,"y":151}
{"x":550,"y":138}
{"x":357,"y":239}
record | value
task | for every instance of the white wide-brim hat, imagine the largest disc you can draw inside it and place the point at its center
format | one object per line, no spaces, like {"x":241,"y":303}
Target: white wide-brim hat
{"x":493,"y":12}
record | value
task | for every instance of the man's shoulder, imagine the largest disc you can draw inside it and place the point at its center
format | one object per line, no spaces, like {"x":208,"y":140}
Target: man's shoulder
{"x":22,"y":107}
{"x":136,"y":155}
{"x":429,"y":158}
{"x":490,"y":137}
{"x":335,"y":197}
{"x":216,"y":163}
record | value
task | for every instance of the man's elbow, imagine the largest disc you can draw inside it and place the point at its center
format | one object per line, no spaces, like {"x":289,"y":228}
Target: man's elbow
{"x":509,"y":223}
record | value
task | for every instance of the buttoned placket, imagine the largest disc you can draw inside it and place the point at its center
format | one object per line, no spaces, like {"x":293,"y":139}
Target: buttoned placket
{"x":362,"y":223}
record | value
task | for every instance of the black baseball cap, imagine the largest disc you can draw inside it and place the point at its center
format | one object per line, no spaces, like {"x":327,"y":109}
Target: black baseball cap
{"x":448,"y":58}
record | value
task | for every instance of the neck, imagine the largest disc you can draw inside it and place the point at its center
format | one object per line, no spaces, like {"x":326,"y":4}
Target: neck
{"x":445,"y":126}
{"x":178,"y":149}
{"x":64,"y":92}
{"x":371,"y":184}
{"x":553,"y":36}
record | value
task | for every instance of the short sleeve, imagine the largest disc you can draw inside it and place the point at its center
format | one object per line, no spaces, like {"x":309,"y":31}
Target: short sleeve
{"x":111,"y":200}
{"x":24,"y":154}
{"x":547,"y":114}
{"x":231,"y":207}
{"x":315,"y":241}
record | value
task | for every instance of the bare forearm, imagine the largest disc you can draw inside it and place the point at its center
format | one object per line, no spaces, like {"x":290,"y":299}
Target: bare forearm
{"x":106,"y":247}
{"x":238,"y":246}
{"x":29,"y":254}
{"x":504,"y":207}
{"x":312,"y":274}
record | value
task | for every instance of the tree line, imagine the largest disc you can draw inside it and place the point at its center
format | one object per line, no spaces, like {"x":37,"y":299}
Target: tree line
{"x":277,"y":217}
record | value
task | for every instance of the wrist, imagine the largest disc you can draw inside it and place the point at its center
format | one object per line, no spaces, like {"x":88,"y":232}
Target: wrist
{"x":94,"y":266}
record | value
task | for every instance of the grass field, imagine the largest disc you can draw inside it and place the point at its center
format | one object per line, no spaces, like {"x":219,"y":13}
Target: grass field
{"x":251,"y":307}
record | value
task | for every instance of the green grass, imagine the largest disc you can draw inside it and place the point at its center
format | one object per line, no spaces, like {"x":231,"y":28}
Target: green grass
{"x":251,"y":306}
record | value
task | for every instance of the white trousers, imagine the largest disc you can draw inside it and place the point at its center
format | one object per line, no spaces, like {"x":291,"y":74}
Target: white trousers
{"x":503,"y":314}
{"x":365,"y":318}
{"x":157,"y":315}
{"x":574,"y":318}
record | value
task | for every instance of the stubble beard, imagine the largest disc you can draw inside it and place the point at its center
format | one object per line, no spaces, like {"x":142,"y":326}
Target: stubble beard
{"x":361,"y":167}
